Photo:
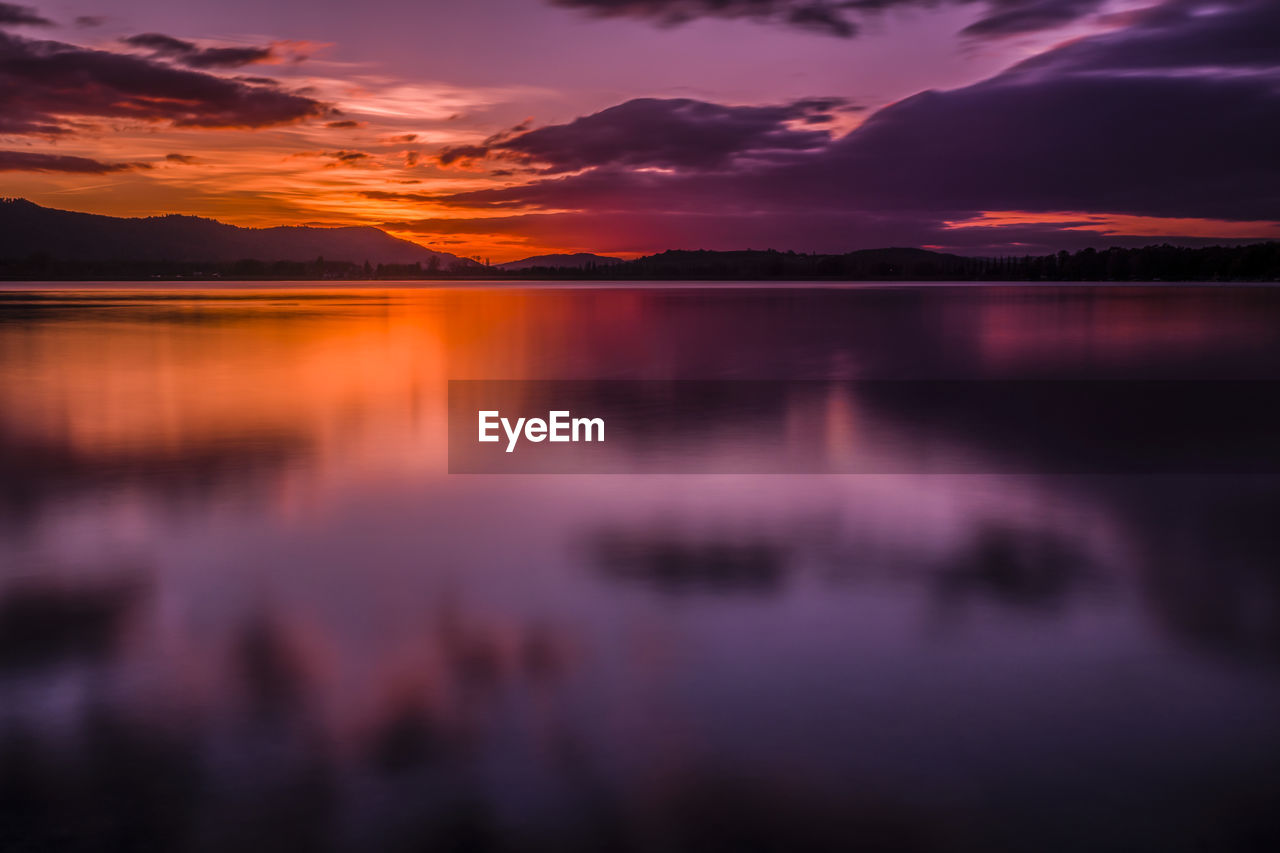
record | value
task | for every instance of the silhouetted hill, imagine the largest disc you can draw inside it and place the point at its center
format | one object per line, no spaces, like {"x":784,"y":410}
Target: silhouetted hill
{"x":581,"y":260}
{"x":771,"y":264}
{"x":27,"y":229}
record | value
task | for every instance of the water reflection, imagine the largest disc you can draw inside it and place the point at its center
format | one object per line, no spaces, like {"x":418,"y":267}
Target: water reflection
{"x":42,"y":627}
{"x":717,"y":566}
{"x":242,"y":605}
{"x":1024,"y":568}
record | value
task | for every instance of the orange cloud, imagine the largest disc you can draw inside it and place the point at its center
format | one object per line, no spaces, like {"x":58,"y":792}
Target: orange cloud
{"x":1118,"y":224}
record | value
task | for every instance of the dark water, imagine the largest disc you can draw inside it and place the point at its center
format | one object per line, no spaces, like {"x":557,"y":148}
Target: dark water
{"x":244,"y":607}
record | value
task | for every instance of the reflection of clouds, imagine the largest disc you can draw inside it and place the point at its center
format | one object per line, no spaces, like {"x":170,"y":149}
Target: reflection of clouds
{"x":338,"y":646}
{"x":1209,"y":551}
{"x":1200,"y":552}
{"x":176,"y":369}
{"x":1016,"y":558}
{"x":670,"y":563}
{"x":1028,"y":568}
{"x":45,"y":625}
{"x":719,"y":811}
{"x":164,"y":374}
{"x":1131,"y":330}
{"x":260,"y":755}
{"x":42,"y":475}
{"x":119,"y":784}
{"x":271,"y":676}
{"x":447,"y":667}
{"x":137,"y":786}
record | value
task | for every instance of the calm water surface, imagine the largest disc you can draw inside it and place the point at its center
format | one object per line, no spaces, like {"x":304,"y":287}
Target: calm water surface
{"x":243,"y":606}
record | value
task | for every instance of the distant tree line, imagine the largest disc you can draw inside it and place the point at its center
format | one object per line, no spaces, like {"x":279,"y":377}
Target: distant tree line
{"x":1256,"y":262}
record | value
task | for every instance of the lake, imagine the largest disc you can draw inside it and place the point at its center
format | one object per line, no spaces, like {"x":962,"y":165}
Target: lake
{"x":244,"y":605}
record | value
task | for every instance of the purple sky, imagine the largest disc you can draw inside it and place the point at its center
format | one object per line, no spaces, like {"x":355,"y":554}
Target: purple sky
{"x":505,"y":128}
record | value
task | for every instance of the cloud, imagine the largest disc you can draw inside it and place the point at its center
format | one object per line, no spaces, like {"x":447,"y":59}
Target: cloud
{"x":347,"y":158}
{"x":12,"y":15}
{"x":1009,"y":17}
{"x":836,"y":17}
{"x":194,"y":56}
{"x":46,"y":84}
{"x":24,"y":161}
{"x":387,"y":195}
{"x":1187,"y":36}
{"x":817,"y":15}
{"x":1120,"y":122}
{"x":1165,"y":146}
{"x":88,"y":21}
{"x":345,"y":124}
{"x":663,"y":134}
{"x":1176,"y":116}
{"x":181,"y":159}
{"x":462,"y":154}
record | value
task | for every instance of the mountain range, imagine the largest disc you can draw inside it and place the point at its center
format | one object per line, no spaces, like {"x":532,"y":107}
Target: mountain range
{"x":27,"y":229}
{"x":39,"y":243}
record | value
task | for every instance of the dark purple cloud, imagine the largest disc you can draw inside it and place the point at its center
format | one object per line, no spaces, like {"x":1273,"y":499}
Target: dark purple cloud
{"x":1187,"y":147}
{"x":1013,"y":17}
{"x":1187,"y":36}
{"x":676,"y":133}
{"x":462,"y":154}
{"x":817,"y":15}
{"x":26,"y":161}
{"x":44,"y":83}
{"x":837,"y":17}
{"x":12,"y":15}
{"x":194,"y":56}
{"x":615,"y":190}
{"x":1114,"y":124}
{"x":1120,"y":123}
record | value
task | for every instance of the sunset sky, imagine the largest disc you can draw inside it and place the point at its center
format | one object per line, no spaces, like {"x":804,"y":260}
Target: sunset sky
{"x":507,"y":128}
